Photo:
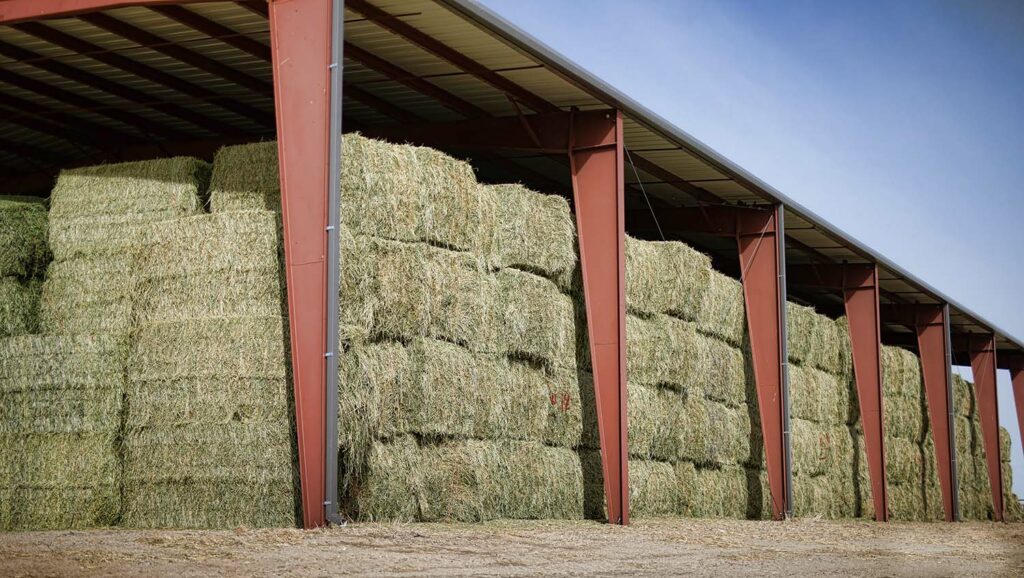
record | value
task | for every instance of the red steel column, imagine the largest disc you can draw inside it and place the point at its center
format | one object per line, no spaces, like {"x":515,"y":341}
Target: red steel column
{"x":983,"y":366}
{"x":761,"y":265}
{"x":860,"y":294}
{"x":301,"y":45}
{"x":596,"y":160}
{"x":1017,"y":376}
{"x":933,"y":345}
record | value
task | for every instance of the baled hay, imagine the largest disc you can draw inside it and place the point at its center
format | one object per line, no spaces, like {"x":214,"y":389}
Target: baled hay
{"x":726,"y":492}
{"x":722,"y":311}
{"x":653,"y":489}
{"x":19,"y":306}
{"x":411,"y":193}
{"x":470,"y":481}
{"x":69,"y":362}
{"x":154,"y":189}
{"x":224,"y":265}
{"x":818,"y":396}
{"x":815,"y":340}
{"x":535,"y":320}
{"x":665,"y":351}
{"x":207,"y":400}
{"x":905,"y":471}
{"x":821,"y":450}
{"x":63,"y":508}
{"x":88,"y":296}
{"x":210,"y":476}
{"x":907,"y":501}
{"x":968,"y":435}
{"x":905,"y":417}
{"x":828,"y":496}
{"x":904,"y":461}
{"x":665,"y":277}
{"x":101,"y":236}
{"x":246,"y":178}
{"x":23,"y":226}
{"x":535,"y":232}
{"x":37,"y":408}
{"x":1004,"y":444}
{"x":963,"y":396}
{"x":901,"y":373}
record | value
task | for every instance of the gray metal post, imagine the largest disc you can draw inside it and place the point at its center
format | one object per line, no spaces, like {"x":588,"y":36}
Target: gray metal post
{"x":786,"y":434}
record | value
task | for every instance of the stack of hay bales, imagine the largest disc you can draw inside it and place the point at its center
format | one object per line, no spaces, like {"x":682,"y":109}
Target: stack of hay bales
{"x":23,"y":260}
{"x":822,"y":411}
{"x":60,"y":417}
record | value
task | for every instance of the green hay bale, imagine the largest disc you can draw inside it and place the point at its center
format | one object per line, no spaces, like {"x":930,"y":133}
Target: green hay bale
{"x":207,"y":400}
{"x":210,"y":476}
{"x":471,"y":481}
{"x":246,"y":178}
{"x":535,"y":232}
{"x":19,"y":306}
{"x":101,"y":236}
{"x":726,"y":492}
{"x":815,"y":340}
{"x":150,"y":190}
{"x":905,"y":417}
{"x":90,"y":295}
{"x":901,"y":373}
{"x":821,"y":450}
{"x":32,"y":407}
{"x":963,"y":396}
{"x":907,"y":501}
{"x":818,"y":396}
{"x":665,"y":277}
{"x":904,"y":461}
{"x":828,"y":496}
{"x":668,"y":352}
{"x":411,"y":193}
{"x":653,"y":489}
{"x":722,"y":311}
{"x":1004,"y":444}
{"x":63,"y":508}
{"x":534,"y":320}
{"x":23,"y":231}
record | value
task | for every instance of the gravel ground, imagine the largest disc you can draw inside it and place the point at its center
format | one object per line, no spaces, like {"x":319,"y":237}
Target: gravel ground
{"x":805,"y":547}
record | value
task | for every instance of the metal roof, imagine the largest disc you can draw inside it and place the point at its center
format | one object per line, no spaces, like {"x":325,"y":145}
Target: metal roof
{"x":168,"y":79}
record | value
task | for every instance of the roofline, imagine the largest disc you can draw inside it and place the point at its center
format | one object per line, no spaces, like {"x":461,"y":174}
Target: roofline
{"x":572,"y":72}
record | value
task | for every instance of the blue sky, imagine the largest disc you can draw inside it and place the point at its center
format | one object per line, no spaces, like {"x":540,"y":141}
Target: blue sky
{"x":900,"y":122}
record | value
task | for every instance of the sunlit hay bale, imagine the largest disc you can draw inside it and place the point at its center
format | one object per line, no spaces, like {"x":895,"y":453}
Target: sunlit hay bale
{"x":153,"y":190}
{"x":534,"y":320}
{"x":820,"y":449}
{"x":846,"y":353}
{"x":904,"y":461}
{"x":818,"y":396}
{"x":827,"y":496}
{"x":88,"y":295}
{"x":904,"y":417}
{"x":1004,"y":444}
{"x":23,"y":231}
{"x":963,"y":396}
{"x":564,"y":424}
{"x":405,"y":290}
{"x":665,"y":351}
{"x":665,"y":277}
{"x":653,"y":415}
{"x":19,"y":306}
{"x":411,"y":193}
{"x":224,"y":265}
{"x":901,"y":373}
{"x":224,"y":475}
{"x":653,"y":489}
{"x":722,"y":312}
{"x":355,"y":301}
{"x":907,"y":501}
{"x":484,"y":480}
{"x":246,"y":178}
{"x":813,"y":339}
{"x":61,"y":400}
{"x":717,"y":492}
{"x":100,"y":236}
{"x":391,"y":488}
{"x":535,"y":232}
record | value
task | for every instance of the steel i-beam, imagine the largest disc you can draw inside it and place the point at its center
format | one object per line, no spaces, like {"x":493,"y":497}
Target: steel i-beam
{"x":1017,"y":377}
{"x":596,"y":161}
{"x":859,"y":285}
{"x":933,"y":344}
{"x":301,"y":46}
{"x":983,"y":366}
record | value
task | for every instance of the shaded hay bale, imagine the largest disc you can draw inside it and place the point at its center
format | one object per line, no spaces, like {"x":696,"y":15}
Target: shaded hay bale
{"x":905,"y":418}
{"x":23,"y":230}
{"x":722,"y":311}
{"x":19,"y":306}
{"x":726,"y":492}
{"x":829,"y":496}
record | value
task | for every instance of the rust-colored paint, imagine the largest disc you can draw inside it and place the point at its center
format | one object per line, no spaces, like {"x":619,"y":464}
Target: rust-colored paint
{"x":1017,"y":376}
{"x":301,"y":46}
{"x":21,"y":10}
{"x":933,"y":345}
{"x":860,"y":296}
{"x":983,"y":366}
{"x":596,"y":160}
{"x":760,"y":250}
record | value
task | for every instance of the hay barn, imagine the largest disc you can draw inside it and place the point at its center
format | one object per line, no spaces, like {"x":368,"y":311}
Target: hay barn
{"x":290,"y":263}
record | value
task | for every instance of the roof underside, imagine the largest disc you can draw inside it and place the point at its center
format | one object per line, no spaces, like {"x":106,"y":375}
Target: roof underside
{"x":142,"y":82}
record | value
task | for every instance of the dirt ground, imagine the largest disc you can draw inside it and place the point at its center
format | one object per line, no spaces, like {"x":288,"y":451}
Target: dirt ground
{"x":805,"y":547}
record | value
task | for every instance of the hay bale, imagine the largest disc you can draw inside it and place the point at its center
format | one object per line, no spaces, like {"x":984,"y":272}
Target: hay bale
{"x":722,"y":310}
{"x":19,"y":306}
{"x":410,"y":193}
{"x":725,"y":492}
{"x":100,"y":236}
{"x":534,"y":320}
{"x":23,"y":230}
{"x":904,"y":461}
{"x":246,"y":178}
{"x":391,"y":488}
{"x":905,"y":417}
{"x":653,"y":489}
{"x":536,"y":233}
{"x":821,"y":450}
{"x":815,"y":340}
{"x":828,"y":496}
{"x":88,"y":295}
{"x":901,"y":373}
{"x":963,"y":396}
{"x":665,"y":277}
{"x":818,"y":396}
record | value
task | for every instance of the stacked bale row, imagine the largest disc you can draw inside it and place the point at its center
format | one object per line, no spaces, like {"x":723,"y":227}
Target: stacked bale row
{"x":23,"y":259}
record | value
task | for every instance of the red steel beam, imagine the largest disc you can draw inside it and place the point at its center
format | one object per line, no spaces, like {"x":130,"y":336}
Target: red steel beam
{"x":596,"y":162}
{"x":1017,"y":377}
{"x":301,"y":46}
{"x":983,"y":366}
{"x":932,"y":324}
